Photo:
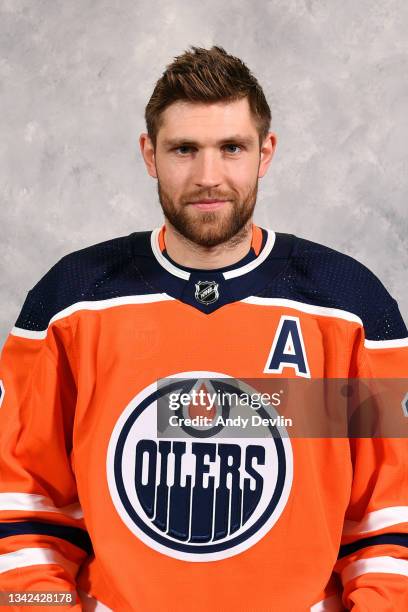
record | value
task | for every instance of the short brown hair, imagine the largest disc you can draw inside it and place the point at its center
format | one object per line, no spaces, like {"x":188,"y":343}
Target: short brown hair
{"x":207,"y":75}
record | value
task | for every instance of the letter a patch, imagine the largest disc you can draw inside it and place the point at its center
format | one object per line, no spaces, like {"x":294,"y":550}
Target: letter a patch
{"x":288,"y":349}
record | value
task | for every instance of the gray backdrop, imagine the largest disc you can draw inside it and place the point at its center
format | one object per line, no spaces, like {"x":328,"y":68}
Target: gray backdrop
{"x":75,"y":76}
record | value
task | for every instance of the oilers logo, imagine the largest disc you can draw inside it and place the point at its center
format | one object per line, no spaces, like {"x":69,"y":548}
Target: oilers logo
{"x":199,"y":494}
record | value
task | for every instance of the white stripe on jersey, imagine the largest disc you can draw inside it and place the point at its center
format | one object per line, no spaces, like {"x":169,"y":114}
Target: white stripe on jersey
{"x":270,"y":241}
{"x":330,"y":604}
{"x":28,"y":333}
{"x":26,"y":557}
{"x":324,"y":311}
{"x":147,"y":298}
{"x":377,"y":565}
{"x":161,"y":297}
{"x":378,"y":519}
{"x":385,"y":344}
{"x":163,"y":261}
{"x":30,"y":502}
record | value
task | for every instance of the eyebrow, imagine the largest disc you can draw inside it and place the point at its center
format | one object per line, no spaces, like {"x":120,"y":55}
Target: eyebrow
{"x":236,"y":138}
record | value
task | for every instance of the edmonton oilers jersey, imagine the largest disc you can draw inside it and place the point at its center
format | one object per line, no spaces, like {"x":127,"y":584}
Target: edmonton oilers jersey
{"x":130,"y":481}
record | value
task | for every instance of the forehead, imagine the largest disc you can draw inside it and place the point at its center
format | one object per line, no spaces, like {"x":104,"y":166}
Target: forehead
{"x":193,"y":120}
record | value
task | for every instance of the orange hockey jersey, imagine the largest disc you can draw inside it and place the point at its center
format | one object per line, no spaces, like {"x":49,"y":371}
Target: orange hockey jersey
{"x":95,"y":500}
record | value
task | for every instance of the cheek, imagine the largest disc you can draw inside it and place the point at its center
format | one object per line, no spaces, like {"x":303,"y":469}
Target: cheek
{"x":241,"y":177}
{"x":172,"y":172}
{"x":175,"y":185}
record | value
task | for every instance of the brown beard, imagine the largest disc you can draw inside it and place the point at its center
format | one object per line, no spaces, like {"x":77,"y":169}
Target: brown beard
{"x":210,"y":228}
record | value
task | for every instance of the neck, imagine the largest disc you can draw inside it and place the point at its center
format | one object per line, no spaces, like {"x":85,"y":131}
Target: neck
{"x":187,"y":253}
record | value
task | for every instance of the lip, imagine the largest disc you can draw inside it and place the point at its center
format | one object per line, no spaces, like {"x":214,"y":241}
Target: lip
{"x":209,"y":204}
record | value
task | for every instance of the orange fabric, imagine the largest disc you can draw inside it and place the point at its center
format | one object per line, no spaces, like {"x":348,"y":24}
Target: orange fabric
{"x":111,"y":355}
{"x":162,"y":243}
{"x":256,"y":239}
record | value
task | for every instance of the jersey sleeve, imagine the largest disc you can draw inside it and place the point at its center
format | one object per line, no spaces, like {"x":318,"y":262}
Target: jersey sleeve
{"x":373,"y":559}
{"x":43,"y":539}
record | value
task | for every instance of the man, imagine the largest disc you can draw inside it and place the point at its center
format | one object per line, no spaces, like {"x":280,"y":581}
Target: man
{"x":95,"y":498}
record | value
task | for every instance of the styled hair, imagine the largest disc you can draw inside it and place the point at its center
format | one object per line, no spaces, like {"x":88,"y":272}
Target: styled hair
{"x":207,"y":76}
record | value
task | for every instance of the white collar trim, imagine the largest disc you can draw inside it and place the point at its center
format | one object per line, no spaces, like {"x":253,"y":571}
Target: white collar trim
{"x":165,"y":263}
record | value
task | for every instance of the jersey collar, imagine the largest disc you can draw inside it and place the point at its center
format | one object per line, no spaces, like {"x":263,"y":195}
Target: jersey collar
{"x":157,"y":245}
{"x":216,"y":287}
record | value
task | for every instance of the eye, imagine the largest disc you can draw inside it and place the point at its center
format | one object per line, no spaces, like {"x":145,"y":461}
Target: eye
{"x":231,"y":146}
{"x":181,"y":150}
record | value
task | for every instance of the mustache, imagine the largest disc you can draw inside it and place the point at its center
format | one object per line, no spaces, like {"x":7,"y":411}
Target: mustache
{"x":207,"y":196}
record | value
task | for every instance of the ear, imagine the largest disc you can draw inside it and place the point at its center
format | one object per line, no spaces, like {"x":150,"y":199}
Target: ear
{"x":267,"y":152}
{"x":147,"y":150}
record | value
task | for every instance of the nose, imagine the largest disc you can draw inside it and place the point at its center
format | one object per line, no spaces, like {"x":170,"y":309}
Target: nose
{"x":208,"y":169}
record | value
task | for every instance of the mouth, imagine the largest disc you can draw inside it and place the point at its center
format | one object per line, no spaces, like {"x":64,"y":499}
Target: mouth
{"x":208,"y":204}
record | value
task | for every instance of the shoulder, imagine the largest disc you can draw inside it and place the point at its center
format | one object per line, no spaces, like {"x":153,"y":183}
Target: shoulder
{"x":339,"y":272}
{"x":322,"y":276}
{"x":97,"y":272}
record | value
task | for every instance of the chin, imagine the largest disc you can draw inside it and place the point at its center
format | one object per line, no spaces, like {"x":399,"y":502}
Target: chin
{"x":210,"y":238}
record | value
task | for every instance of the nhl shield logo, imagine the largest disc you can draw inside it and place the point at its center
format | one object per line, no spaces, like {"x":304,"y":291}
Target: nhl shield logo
{"x":206,"y":292}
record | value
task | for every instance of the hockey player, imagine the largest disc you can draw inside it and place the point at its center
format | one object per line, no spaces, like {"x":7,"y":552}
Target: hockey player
{"x":97,"y":499}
